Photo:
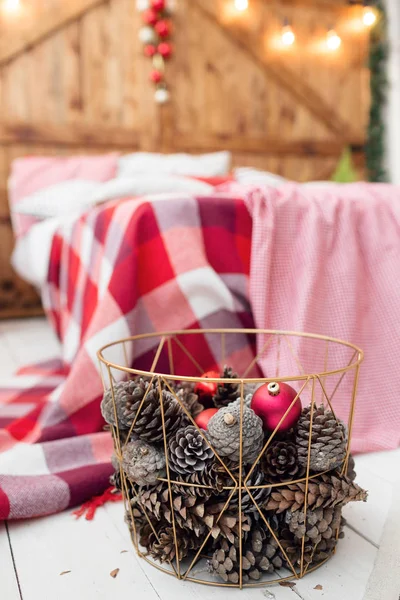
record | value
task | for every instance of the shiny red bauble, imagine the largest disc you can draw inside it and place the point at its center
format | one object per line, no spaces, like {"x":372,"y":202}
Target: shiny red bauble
{"x":202,"y":418}
{"x":150,"y":50}
{"x":158,"y":5}
{"x":150,"y":17}
{"x":156,"y":76}
{"x":271,"y":401}
{"x":207,"y":388}
{"x":163,"y":28}
{"x":165,"y":49}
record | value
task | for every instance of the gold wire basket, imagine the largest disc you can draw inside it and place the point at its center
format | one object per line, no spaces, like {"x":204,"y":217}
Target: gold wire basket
{"x":324,"y":370}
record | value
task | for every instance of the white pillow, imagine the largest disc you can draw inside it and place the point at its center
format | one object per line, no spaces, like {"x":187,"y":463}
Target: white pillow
{"x":250,"y":176}
{"x":147,"y":184}
{"x":65,"y":198}
{"x":203,"y":165}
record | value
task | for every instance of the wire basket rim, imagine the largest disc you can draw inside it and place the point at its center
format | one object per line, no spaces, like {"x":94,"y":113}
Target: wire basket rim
{"x":171,"y":334}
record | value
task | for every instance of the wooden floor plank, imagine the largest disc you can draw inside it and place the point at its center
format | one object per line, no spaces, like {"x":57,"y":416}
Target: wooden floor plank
{"x":8,"y":579}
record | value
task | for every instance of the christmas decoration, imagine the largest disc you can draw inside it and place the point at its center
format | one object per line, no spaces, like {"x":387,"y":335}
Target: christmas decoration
{"x":163,"y":549}
{"x":271,"y":401}
{"x":207,"y":389}
{"x":315,"y":525}
{"x":165,"y":49}
{"x":259,"y":494}
{"x":150,"y":50}
{"x":211,"y":480}
{"x":147,"y":35}
{"x":280,"y":462}
{"x":189,"y":451}
{"x":190,"y":400}
{"x":150,"y":17}
{"x":328,"y":439}
{"x":328,"y":490}
{"x":163,"y":28}
{"x":143,"y":463}
{"x":158,"y":5}
{"x":161,"y":95}
{"x":203,"y":418}
{"x":227,"y":392}
{"x":224,"y":433}
{"x":156,"y":76}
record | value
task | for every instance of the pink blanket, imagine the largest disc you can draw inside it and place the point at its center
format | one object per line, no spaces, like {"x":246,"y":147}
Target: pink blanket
{"x":329,"y":262}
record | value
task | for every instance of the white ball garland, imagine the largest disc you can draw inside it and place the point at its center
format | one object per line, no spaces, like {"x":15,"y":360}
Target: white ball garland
{"x":161,"y":96}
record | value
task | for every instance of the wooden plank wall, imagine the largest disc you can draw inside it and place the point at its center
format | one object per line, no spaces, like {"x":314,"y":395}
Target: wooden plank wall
{"x":84,"y":87}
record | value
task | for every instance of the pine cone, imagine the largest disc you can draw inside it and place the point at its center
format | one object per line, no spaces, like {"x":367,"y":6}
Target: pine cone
{"x":188,"y":451}
{"x":210,"y":477}
{"x":128,"y":396}
{"x":142,"y":462}
{"x":351,"y":473}
{"x":321,"y":523}
{"x":260,"y":494}
{"x":259,"y":554}
{"x":328,"y":490}
{"x":280,"y":463}
{"x":227,"y":392}
{"x":190,"y":400}
{"x":328,"y":440}
{"x":224,"y":433}
{"x":164,"y":549}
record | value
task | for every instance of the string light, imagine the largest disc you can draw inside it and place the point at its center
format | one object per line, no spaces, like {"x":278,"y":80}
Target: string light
{"x":241,"y":5}
{"x":369,"y":16}
{"x":333,"y":40}
{"x":287,"y":36}
{"x":11,"y":6}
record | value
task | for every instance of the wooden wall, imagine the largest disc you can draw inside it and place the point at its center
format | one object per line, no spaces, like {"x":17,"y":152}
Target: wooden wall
{"x":73,"y":79}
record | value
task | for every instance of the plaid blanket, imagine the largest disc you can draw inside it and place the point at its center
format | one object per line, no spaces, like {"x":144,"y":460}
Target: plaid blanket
{"x":128,"y":267}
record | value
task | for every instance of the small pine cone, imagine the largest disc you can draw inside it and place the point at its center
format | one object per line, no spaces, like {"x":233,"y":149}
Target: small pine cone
{"x":318,"y":524}
{"x":327,"y":490}
{"x":260,"y":495}
{"x":210,"y":477}
{"x":280,"y":462}
{"x":164,"y":548}
{"x":142,"y":462}
{"x":190,"y":400}
{"x":224,"y":433}
{"x":188,"y":451}
{"x":328,"y":439}
{"x":227,"y":392}
{"x":128,"y":396}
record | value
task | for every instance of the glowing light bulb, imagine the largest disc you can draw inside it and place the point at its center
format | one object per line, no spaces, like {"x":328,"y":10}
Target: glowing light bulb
{"x":241,"y":5}
{"x":287,"y":36}
{"x":333,"y":40}
{"x":369,"y":17}
{"x":11,"y":6}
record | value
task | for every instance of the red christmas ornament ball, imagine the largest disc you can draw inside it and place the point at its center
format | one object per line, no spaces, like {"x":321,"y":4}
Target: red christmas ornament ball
{"x":271,"y":401}
{"x":202,"y":418}
{"x":156,"y":76}
{"x":163,"y":28}
{"x":158,"y":5}
{"x":165,"y":49}
{"x":150,"y":50}
{"x":207,"y":388}
{"x":150,"y":17}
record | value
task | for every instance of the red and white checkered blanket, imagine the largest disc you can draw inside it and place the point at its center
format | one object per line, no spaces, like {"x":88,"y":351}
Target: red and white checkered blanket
{"x":125,"y":268}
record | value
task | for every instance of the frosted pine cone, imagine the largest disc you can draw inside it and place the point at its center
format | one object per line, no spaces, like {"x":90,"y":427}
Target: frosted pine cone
{"x":328,"y":439}
{"x":188,"y":451}
{"x":224,"y":433}
{"x":142,"y":462}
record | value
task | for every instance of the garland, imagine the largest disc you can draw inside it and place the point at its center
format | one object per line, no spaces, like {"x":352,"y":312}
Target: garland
{"x":375,"y":148}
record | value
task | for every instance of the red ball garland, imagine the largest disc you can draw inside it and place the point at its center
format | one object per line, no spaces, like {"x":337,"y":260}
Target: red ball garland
{"x":156,"y":76}
{"x":163,"y":28}
{"x":165,"y":49}
{"x":158,"y":5}
{"x":150,"y":17}
{"x":150,"y":50}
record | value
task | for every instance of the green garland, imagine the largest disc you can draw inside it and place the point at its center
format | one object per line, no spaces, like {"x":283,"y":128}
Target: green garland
{"x":375,"y":148}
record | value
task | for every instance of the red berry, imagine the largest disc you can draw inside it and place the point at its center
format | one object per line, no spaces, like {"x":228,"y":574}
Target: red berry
{"x":150,"y":50}
{"x":163,"y":28}
{"x":158,"y":5}
{"x":165,"y":49}
{"x":156,"y":76}
{"x":150,"y":17}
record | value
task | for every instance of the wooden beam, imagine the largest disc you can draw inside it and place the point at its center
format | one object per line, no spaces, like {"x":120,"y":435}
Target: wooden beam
{"x":52,"y":20}
{"x":68,"y":135}
{"x":287,"y":78}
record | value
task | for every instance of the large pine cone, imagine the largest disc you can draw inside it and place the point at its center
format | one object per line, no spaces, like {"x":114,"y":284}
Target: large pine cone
{"x":128,"y":396}
{"x":227,"y":392}
{"x":142,"y":462}
{"x":328,"y":439}
{"x":280,"y":462}
{"x":259,"y":555}
{"x":318,"y":524}
{"x":224,"y":433}
{"x":164,"y":548}
{"x":328,"y":490}
{"x":188,"y":451}
{"x":210,"y":477}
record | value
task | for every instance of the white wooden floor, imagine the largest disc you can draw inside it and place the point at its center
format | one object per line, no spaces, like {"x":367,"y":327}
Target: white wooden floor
{"x":57,"y":557}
